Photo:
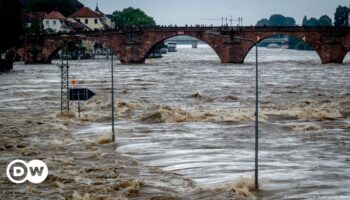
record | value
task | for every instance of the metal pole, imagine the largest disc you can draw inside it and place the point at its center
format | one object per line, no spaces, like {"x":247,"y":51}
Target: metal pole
{"x":256,"y":116}
{"x":112,"y":72}
{"x":79,"y":102}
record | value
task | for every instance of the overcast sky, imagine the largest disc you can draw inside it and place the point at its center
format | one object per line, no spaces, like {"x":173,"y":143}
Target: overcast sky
{"x":183,"y":12}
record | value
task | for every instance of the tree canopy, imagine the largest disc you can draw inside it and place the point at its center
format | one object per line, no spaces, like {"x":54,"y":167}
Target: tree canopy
{"x":10,"y":20}
{"x":277,"y":20}
{"x":262,"y":22}
{"x":280,"y":20}
{"x":324,"y":20}
{"x":132,"y":17}
{"x":66,"y":7}
{"x":341,"y":16}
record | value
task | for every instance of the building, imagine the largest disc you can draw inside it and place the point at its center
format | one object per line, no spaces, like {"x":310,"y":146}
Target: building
{"x":106,"y":19}
{"x":55,"y":22}
{"x":94,"y":20}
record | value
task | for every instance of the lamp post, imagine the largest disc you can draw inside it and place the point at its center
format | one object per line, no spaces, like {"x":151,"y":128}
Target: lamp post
{"x":112,"y":99}
{"x":256,"y":42}
{"x":256,"y":174}
{"x":112,"y":86}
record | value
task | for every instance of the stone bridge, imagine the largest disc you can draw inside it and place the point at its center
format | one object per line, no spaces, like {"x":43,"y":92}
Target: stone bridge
{"x":231,"y":44}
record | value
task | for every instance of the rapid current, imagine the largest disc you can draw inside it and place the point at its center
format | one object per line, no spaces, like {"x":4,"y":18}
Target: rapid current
{"x":188,"y":114}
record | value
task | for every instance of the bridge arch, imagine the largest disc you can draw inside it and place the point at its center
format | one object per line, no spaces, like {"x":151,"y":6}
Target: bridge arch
{"x":299,"y":36}
{"x":51,"y":50}
{"x":203,"y":37}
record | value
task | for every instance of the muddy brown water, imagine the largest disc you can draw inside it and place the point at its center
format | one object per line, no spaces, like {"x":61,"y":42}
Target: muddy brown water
{"x":189,"y":115}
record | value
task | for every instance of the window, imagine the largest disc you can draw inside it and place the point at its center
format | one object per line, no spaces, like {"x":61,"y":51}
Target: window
{"x":47,"y":23}
{"x":95,"y":21}
{"x":54,"y":22}
{"x":86,"y":21}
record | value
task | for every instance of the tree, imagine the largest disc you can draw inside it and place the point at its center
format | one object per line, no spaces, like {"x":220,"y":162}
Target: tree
{"x":262,"y":22}
{"x":304,"y":21}
{"x":280,"y":20}
{"x":312,"y":22}
{"x":289,"y":21}
{"x":325,"y":21}
{"x":10,"y":20}
{"x":66,"y":7}
{"x":132,"y":17}
{"x":277,"y":20}
{"x":341,"y":16}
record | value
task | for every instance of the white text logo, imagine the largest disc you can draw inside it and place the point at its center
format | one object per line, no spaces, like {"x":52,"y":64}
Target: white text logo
{"x":19,"y":171}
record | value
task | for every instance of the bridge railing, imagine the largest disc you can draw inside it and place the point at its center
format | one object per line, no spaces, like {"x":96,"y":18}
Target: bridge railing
{"x":193,"y":28}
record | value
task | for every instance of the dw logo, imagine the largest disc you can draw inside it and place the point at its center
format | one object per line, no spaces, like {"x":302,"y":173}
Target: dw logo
{"x":35,"y":171}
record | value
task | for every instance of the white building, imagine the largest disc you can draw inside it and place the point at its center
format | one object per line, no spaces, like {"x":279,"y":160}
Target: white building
{"x":89,"y":18}
{"x":93,"y":20}
{"x":56,"y":22}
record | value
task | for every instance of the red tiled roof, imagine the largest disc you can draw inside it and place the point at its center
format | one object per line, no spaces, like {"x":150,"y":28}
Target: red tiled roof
{"x":54,"y":15}
{"x":85,"y":13}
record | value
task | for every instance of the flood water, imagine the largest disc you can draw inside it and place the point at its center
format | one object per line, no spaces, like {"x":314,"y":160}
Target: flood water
{"x":191,"y":115}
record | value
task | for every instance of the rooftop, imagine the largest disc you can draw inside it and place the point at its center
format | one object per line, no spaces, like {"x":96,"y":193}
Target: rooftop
{"x":54,"y":15}
{"x":85,"y":12}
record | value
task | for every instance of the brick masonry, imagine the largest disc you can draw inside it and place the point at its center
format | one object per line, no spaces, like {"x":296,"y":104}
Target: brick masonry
{"x":132,"y":45}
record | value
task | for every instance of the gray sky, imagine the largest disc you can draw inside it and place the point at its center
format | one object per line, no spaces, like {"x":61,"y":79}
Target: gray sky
{"x":183,"y":12}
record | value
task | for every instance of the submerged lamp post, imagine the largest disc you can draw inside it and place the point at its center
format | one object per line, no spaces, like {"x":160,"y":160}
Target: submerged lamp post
{"x":112,"y":77}
{"x":112,"y":86}
{"x":256,"y":42}
{"x":256,"y":115}
{"x":256,"y":174}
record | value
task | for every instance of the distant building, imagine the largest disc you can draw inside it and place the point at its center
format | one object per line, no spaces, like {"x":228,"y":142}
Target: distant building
{"x":55,"y":22}
{"x":106,"y":19}
{"x":94,"y":20}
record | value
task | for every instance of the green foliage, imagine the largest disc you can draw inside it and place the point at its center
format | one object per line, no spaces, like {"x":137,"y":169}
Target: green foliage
{"x":66,"y":7}
{"x":341,"y":16}
{"x":289,"y":21}
{"x":280,"y":20}
{"x":10,"y":20}
{"x":325,"y":21}
{"x":312,"y":22}
{"x":262,"y":22}
{"x":132,"y":17}
{"x":277,"y":20}
{"x":304,"y":21}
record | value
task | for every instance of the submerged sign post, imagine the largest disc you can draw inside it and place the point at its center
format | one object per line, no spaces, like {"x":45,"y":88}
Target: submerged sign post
{"x":80,"y":94}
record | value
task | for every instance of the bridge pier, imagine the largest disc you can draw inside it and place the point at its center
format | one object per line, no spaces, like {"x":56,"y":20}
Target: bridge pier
{"x":128,"y":59}
{"x":332,"y":53}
